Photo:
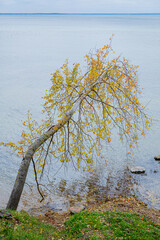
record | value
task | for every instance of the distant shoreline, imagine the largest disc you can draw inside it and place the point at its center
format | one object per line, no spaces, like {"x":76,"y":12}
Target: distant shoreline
{"x":109,"y":14}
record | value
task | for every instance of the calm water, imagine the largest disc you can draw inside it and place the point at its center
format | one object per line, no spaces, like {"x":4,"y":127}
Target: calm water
{"x":33,"y":47}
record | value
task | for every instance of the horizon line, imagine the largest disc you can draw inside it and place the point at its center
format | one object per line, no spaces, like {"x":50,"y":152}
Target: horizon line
{"x":79,"y":13}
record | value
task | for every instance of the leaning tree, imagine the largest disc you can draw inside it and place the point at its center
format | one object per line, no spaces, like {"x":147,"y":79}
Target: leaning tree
{"x":80,"y":112}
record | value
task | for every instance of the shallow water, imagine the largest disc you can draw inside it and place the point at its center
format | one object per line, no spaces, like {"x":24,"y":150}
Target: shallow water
{"x":33,"y":47}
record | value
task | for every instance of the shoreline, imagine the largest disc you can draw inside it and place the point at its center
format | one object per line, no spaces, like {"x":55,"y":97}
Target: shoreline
{"x":64,"y":197}
{"x":110,"y":220}
{"x":121,"y":204}
{"x":100,"y":199}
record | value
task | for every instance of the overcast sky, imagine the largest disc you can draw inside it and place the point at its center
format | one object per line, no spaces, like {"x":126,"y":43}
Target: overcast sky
{"x":83,"y":6}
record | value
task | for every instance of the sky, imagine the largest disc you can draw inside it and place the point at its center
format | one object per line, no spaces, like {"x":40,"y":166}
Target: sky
{"x":79,"y":6}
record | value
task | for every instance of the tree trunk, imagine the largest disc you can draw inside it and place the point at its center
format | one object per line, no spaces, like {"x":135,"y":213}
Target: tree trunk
{"x":19,"y":183}
{"x":23,"y":170}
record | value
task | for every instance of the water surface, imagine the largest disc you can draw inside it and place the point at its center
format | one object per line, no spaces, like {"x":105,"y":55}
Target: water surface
{"x":33,"y":47}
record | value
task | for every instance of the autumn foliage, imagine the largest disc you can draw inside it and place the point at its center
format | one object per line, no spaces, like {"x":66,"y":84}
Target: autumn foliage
{"x":108,"y":95}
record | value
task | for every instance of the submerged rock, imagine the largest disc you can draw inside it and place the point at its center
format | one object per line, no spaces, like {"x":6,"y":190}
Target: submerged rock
{"x":157,"y":158}
{"x":137,"y":170}
{"x":59,"y":206}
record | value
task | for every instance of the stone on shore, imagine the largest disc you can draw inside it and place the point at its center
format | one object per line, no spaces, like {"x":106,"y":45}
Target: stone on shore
{"x":157,"y":158}
{"x":76,"y":209}
{"x":137,"y":170}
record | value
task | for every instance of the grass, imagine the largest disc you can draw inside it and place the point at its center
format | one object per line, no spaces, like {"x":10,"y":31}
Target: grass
{"x":84,"y":225}
{"x":22,"y":226}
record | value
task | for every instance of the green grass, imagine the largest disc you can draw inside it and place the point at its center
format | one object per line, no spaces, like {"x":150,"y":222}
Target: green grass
{"x":22,"y":226}
{"x":84,"y":225}
{"x":110,"y":225}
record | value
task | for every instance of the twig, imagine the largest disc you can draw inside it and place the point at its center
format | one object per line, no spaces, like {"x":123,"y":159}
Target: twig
{"x":36,"y":179}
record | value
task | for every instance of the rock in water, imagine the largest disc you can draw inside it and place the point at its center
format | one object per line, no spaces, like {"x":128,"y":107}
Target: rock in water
{"x":157,"y":157}
{"x":137,"y":170}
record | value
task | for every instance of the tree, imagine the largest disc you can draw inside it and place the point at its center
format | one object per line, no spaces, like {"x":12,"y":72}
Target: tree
{"x":80,"y":112}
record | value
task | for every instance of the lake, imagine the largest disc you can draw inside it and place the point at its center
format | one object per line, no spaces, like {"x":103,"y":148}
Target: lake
{"x":34,"y":46}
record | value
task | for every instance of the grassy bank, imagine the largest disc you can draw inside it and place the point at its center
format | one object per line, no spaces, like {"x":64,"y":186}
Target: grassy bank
{"x":84,"y":225}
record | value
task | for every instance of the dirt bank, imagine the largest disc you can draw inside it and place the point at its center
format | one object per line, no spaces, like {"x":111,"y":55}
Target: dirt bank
{"x":122,"y":204}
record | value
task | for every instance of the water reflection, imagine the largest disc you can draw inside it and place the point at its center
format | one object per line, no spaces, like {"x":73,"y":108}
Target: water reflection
{"x":90,"y":190}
